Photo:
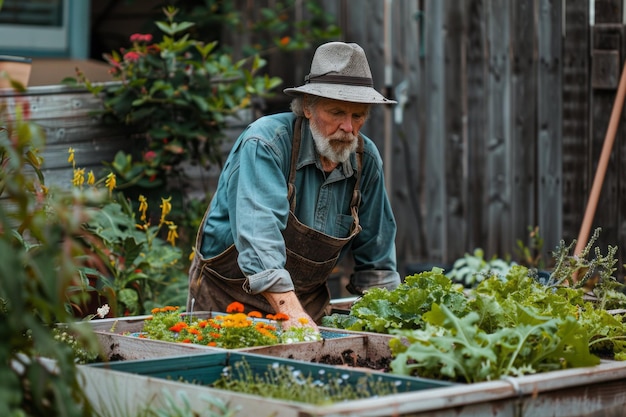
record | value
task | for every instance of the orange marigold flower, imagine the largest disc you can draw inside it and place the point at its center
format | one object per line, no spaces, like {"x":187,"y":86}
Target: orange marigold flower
{"x":186,"y":341}
{"x":211,"y":344}
{"x":284,"y":41}
{"x":269,"y":316}
{"x":281,"y":317}
{"x":178,"y":326}
{"x":255,"y":314}
{"x":235,"y":307}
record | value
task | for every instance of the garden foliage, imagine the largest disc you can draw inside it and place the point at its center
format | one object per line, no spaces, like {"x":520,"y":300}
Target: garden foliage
{"x":505,"y":326}
{"x":38,"y":249}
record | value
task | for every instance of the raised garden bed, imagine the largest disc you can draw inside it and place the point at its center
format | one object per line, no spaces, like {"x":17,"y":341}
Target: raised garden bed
{"x":119,"y":341}
{"x":130,"y":386}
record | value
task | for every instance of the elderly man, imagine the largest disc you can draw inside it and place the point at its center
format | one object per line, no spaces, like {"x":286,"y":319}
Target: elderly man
{"x":298,"y":191}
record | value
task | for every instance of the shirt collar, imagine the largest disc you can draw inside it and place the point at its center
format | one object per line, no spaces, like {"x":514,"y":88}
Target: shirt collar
{"x":308,"y":153}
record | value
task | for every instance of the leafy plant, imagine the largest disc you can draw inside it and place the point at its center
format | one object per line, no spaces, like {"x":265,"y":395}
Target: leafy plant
{"x":511,"y":327}
{"x":38,"y":248}
{"x":269,"y":29}
{"x":505,"y":326}
{"x":381,"y":310}
{"x":457,"y":348}
{"x":132,"y":260}
{"x":177,"y":94}
{"x":472,"y":269}
{"x":530,"y":254}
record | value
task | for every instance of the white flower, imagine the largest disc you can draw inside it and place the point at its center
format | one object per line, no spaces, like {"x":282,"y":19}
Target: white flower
{"x":103,"y":311}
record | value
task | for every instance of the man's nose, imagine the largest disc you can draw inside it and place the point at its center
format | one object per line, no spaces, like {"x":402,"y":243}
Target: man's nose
{"x":346,"y":124}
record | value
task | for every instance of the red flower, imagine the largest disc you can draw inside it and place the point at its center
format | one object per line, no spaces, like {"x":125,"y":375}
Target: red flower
{"x":235,"y":307}
{"x":131,"y":56}
{"x":138,"y":37}
{"x":149,"y":156}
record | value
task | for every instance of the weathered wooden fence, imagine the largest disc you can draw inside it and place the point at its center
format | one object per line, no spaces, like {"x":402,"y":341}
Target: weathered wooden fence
{"x":504,"y":110}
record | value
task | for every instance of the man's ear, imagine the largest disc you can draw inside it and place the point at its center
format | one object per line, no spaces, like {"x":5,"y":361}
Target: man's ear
{"x":306,"y":107}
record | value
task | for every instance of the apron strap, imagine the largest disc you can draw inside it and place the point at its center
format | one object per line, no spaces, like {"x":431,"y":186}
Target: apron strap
{"x":295,"y":151}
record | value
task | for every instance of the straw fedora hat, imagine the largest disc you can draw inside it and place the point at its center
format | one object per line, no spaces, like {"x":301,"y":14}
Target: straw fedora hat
{"x":340,"y":71}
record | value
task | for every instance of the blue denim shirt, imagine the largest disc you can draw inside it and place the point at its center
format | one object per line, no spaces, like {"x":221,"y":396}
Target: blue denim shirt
{"x":250,"y":206}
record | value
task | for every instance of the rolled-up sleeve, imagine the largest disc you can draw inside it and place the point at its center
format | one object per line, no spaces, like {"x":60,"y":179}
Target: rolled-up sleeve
{"x":259,"y":198}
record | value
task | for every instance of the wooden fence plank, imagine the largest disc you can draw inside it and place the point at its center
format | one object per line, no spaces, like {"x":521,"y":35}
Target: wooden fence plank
{"x":477,"y":79}
{"x":408,"y":158}
{"x":549,"y":136}
{"x":523,"y":120}
{"x":433,"y":90}
{"x":607,"y":36}
{"x":498,"y":207}
{"x":575,"y":125}
{"x":454,"y":133}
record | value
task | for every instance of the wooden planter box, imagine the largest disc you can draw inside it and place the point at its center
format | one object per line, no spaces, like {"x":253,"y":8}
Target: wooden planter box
{"x":119,"y":342}
{"x":353,"y":349}
{"x":130,"y":386}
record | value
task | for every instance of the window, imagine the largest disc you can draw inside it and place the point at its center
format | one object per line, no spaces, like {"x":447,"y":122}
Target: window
{"x":34,"y":25}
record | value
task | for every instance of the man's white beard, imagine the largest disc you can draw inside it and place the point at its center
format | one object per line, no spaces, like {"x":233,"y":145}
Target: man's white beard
{"x":341,"y":152}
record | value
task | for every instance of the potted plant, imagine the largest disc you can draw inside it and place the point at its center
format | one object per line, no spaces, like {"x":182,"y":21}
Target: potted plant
{"x":14,"y":71}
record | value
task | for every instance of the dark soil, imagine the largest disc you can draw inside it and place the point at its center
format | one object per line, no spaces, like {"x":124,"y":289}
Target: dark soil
{"x":349,"y":358}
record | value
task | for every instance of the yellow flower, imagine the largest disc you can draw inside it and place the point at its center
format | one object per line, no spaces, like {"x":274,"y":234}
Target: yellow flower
{"x":172,"y":234}
{"x":70,"y":158}
{"x":143,"y":207}
{"x":166,"y":208}
{"x":79,"y":177}
{"x":110,"y":182}
{"x":91,"y":179}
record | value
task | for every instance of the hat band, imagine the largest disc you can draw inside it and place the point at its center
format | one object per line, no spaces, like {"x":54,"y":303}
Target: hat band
{"x":339,"y":79}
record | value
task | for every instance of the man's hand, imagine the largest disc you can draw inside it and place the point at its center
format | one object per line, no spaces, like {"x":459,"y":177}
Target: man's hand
{"x":288,"y":303}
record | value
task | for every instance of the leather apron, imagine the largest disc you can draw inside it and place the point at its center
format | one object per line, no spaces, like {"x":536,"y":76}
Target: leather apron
{"x":216,"y":282}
